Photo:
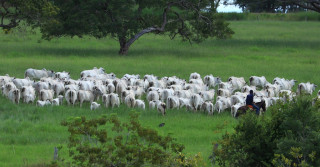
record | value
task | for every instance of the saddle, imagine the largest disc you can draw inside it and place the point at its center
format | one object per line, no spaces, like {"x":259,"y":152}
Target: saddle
{"x":250,"y":107}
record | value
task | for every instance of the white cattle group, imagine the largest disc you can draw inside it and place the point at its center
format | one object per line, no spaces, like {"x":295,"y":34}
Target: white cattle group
{"x":209,"y":94}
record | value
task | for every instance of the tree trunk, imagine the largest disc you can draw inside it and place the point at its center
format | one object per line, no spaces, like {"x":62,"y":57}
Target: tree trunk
{"x":124,"y":48}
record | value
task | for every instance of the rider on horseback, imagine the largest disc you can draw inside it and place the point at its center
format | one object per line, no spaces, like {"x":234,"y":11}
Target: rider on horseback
{"x":249,"y":102}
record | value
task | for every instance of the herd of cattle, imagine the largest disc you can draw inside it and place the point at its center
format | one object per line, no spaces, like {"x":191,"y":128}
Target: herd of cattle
{"x":197,"y":94}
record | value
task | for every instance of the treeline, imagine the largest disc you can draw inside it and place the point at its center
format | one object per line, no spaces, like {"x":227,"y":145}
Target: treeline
{"x":299,"y":16}
{"x":276,"y":6}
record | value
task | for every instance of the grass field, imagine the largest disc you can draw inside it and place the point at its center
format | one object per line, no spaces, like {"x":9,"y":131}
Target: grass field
{"x":271,"y":48}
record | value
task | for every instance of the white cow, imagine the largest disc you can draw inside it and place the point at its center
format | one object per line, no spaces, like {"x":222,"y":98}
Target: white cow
{"x":111,"y":88}
{"x":225,"y":85}
{"x":92,"y":73}
{"x":130,"y":101}
{"x":28,"y":94}
{"x":194,"y":76}
{"x":46,"y":95}
{"x":58,"y":88}
{"x":224,"y":92}
{"x":5,"y":79}
{"x":85,"y":96}
{"x":71,"y":96}
{"x":258,"y":81}
{"x":153,"y":104}
{"x":184,"y":102}
{"x":237,"y":82}
{"x":207,"y":95}
{"x":306,"y":88}
{"x":37,"y":74}
{"x":62,"y":75}
{"x":165,"y":93}
{"x":246,"y":88}
{"x":153,"y":95}
{"x":211,"y":80}
{"x":237,"y":99}
{"x":14,"y":95}
{"x":22,"y":82}
{"x":140,"y":104}
{"x":196,"y":101}
{"x":208,"y":107}
{"x":284,"y":83}
{"x":111,"y":100}
{"x":173,"y":102}
{"x":8,"y":87}
{"x":182,"y":93}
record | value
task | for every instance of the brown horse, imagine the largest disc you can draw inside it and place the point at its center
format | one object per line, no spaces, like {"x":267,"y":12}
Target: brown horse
{"x":242,"y":110}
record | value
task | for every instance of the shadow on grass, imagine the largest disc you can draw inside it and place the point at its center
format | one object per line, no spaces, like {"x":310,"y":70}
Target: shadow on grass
{"x":185,"y":50}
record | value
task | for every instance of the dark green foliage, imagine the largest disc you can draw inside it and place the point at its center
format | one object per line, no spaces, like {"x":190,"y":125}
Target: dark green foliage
{"x":126,"y":21}
{"x":291,"y":130}
{"x":107,"y":141}
{"x":34,"y":12}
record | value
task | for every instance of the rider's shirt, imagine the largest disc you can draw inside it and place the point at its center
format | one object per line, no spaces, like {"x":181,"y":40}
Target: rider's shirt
{"x":249,"y":100}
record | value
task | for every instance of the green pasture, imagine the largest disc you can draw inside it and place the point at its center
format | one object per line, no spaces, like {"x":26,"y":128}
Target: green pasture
{"x":270,"y":48}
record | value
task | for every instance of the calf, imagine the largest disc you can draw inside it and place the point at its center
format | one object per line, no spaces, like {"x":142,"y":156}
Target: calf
{"x":43,"y":103}
{"x":162,"y":108}
{"x":94,"y":106}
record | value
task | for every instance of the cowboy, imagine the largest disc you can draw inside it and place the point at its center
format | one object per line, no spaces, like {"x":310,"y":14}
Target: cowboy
{"x":250,"y":103}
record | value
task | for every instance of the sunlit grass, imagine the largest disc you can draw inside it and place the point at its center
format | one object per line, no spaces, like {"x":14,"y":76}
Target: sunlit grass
{"x":273,"y":49}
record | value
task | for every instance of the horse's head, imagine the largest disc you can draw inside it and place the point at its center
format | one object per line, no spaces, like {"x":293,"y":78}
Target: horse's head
{"x":262,"y":105}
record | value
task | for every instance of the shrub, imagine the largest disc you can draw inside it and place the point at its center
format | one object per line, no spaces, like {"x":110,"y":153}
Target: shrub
{"x":107,"y":141}
{"x":290,"y":134}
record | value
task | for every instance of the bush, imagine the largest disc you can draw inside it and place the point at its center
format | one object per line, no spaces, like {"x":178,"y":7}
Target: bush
{"x":107,"y":141}
{"x":290,"y":133}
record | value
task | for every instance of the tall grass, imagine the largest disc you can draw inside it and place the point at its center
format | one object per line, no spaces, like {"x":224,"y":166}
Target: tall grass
{"x":270,"y":48}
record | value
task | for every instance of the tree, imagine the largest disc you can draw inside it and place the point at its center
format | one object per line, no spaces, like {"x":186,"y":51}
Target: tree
{"x":12,"y":12}
{"x":307,"y":4}
{"x":128,"y":20}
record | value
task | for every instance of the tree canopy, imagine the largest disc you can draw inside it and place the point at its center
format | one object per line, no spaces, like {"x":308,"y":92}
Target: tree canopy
{"x":12,"y":12}
{"x":127,"y":20}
